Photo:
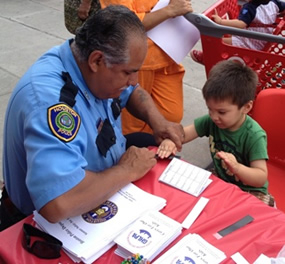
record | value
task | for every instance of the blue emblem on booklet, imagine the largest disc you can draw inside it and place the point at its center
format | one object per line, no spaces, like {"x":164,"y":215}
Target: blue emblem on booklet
{"x":102,"y":213}
{"x":139,"y":239}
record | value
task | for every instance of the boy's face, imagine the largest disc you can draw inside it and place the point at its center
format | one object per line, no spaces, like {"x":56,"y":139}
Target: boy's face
{"x":227,"y":115}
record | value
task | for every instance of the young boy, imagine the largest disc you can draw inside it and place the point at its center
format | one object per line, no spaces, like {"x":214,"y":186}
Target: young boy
{"x":256,"y":15}
{"x":238,"y":145}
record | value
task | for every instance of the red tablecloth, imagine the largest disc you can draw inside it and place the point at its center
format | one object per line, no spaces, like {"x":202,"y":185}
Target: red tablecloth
{"x":266,"y":234}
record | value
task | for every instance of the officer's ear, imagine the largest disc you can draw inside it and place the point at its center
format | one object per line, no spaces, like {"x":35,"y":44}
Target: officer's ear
{"x":95,"y":60}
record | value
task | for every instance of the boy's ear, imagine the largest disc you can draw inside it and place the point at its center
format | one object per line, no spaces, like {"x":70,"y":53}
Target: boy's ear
{"x":247,"y":107}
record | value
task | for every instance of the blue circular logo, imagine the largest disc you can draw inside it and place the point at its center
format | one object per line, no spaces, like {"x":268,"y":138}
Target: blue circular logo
{"x":102,"y":213}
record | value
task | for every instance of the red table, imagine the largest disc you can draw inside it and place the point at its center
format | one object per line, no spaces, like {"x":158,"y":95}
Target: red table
{"x":266,"y":234}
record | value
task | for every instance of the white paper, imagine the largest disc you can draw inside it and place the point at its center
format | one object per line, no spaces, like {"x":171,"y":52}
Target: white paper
{"x":207,"y":183}
{"x":195,"y":212}
{"x":176,"y":36}
{"x":262,"y":259}
{"x":185,"y":176}
{"x":148,"y":235}
{"x":239,"y":259}
{"x":192,"y":249}
{"x":92,"y":258}
{"x":87,"y":235}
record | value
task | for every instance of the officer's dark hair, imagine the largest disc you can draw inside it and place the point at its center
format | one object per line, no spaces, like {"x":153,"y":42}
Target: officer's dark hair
{"x":231,"y":80}
{"x":109,"y":30}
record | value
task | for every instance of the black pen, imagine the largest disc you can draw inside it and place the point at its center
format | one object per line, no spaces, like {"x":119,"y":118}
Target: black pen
{"x":169,"y":157}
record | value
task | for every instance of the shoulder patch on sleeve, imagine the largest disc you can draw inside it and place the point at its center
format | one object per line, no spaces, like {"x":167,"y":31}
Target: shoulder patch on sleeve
{"x":63,"y":121}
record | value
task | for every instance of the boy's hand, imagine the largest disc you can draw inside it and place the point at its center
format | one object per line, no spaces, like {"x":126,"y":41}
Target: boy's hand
{"x":230,"y":161}
{"x":166,"y":148}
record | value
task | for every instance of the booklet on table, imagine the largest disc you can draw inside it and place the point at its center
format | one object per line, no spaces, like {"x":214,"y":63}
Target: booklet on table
{"x":86,"y":237}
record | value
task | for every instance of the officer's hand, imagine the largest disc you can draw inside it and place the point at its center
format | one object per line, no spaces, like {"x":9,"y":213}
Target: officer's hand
{"x":171,"y":130}
{"x":137,"y":162}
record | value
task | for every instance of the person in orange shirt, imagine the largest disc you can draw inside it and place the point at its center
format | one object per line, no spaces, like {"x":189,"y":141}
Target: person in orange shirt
{"x":161,"y":76}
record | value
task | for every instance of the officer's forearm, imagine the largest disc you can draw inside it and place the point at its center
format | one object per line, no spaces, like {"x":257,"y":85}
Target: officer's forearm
{"x":142,"y":106}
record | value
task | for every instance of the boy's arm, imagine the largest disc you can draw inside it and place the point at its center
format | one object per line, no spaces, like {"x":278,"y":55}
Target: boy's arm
{"x":255,"y":175}
{"x":228,"y":22}
{"x":190,"y":133}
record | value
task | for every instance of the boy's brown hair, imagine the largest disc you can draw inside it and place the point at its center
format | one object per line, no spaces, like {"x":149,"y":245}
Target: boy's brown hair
{"x":231,"y":80}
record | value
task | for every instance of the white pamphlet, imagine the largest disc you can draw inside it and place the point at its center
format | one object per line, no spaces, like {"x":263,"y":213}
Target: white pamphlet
{"x":148,"y":235}
{"x":192,"y":249}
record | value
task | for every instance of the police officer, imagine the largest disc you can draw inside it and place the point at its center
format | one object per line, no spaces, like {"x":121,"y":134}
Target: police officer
{"x":64,"y":151}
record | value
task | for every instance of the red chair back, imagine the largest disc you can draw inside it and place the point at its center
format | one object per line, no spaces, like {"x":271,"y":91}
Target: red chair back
{"x":268,"y":111}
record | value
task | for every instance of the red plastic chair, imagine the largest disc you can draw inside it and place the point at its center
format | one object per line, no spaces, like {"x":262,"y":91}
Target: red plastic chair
{"x":268,"y":111}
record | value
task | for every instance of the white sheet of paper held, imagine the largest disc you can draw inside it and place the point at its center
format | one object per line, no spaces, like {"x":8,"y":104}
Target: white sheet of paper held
{"x":195,"y":212}
{"x":185,"y":176}
{"x":175,"y":36}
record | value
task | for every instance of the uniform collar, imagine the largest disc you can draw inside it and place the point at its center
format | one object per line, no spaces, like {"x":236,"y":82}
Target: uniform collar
{"x":70,"y":65}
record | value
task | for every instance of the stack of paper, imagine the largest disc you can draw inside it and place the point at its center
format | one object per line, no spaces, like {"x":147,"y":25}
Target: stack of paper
{"x":192,"y":249}
{"x":148,"y":236}
{"x":186,"y":177}
{"x":86,"y":237}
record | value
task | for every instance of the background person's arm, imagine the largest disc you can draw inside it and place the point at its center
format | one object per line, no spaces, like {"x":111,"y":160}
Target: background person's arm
{"x":152,"y":19}
{"x":228,"y":22}
{"x":173,"y":9}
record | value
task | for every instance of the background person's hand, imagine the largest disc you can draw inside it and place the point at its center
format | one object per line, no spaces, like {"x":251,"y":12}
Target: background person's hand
{"x":84,"y":8}
{"x":179,"y":7}
{"x":217,"y":18}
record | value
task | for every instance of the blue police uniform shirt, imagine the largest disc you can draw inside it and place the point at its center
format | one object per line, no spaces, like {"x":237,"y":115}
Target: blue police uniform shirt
{"x":38,"y":166}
